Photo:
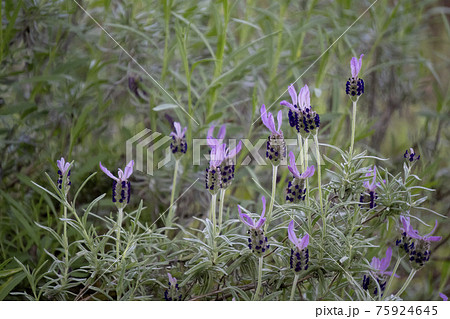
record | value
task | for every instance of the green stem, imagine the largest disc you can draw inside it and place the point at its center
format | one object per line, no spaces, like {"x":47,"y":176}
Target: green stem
{"x":352,"y":141}
{"x":272,"y":198}
{"x":294,"y":285}
{"x":66,"y":246}
{"x":407,"y":282}
{"x":300,"y":143}
{"x":119,"y":226}
{"x":319,"y":184}
{"x":222,"y":198}
{"x":305,"y":149}
{"x":213,"y":211}
{"x":167,"y":8}
{"x":258,"y":287}
{"x":171,"y":215}
{"x":388,"y":286}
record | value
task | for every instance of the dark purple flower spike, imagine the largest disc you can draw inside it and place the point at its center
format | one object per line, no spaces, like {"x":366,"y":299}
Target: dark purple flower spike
{"x":296,"y":190}
{"x":379,"y":267}
{"x":63,"y":182}
{"x":276,"y":146}
{"x":173,"y":292}
{"x":121,"y":188}
{"x":415,"y":246}
{"x":411,"y":156}
{"x":370,"y":196}
{"x":213,"y":178}
{"x":301,"y":116}
{"x":299,"y":259}
{"x":222,"y":175}
{"x":178,"y":145}
{"x":257,"y":242}
{"x":355,"y":86}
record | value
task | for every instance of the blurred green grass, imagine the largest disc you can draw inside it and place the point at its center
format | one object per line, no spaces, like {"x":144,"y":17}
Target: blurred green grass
{"x":64,"y":92}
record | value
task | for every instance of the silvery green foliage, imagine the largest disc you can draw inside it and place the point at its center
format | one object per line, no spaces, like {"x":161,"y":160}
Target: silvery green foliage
{"x":213,"y":265}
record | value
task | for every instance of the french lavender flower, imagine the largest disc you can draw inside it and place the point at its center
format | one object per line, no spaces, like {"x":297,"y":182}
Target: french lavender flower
{"x":121,"y":187}
{"x":416,"y":246}
{"x":276,"y":146}
{"x":301,"y":115}
{"x":355,"y":85}
{"x":257,"y":242}
{"x":296,"y":190}
{"x":178,"y":146}
{"x":411,"y":156}
{"x":300,"y":254}
{"x":444,"y":297}
{"x":227,"y":166}
{"x":172,"y":293}
{"x":379,"y":273}
{"x":370,"y":187}
{"x":63,"y":182}
{"x":213,"y":178}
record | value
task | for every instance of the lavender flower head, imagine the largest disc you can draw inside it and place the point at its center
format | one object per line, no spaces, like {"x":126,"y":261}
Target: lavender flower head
{"x":301,"y":116}
{"x":355,"y":85}
{"x":226,"y":167}
{"x":178,"y":144}
{"x":444,"y":297}
{"x":257,"y":242}
{"x":300,"y":254}
{"x":172,"y":293}
{"x":416,"y":246}
{"x":276,"y":146}
{"x":213,"y":178}
{"x":296,"y":190}
{"x":370,"y":188}
{"x":379,"y":267}
{"x":63,"y":182}
{"x":121,"y":187}
{"x":228,"y":164}
{"x":411,"y":156}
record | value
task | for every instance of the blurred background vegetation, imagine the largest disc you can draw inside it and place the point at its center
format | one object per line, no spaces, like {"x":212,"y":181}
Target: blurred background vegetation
{"x":68,"y":89}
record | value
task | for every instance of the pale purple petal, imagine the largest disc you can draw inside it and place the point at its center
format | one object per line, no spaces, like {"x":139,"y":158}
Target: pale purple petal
{"x":308,"y":172}
{"x":245,"y":218}
{"x":304,"y":242}
{"x":279,"y":119}
{"x":263,"y":199}
{"x":210,"y":133}
{"x":172,"y":280}
{"x":177,"y":128}
{"x":289,"y":105}
{"x":60,"y":163}
{"x":303,"y":97}
{"x":293,"y":94}
{"x":293,"y":167}
{"x":387,"y":260}
{"x":375,"y":263}
{"x":107,"y":172}
{"x":291,"y":234}
{"x":434,"y":229}
{"x":260,"y":223}
{"x":222,"y":132}
{"x":263,"y":114}
{"x":128,"y":170}
{"x":355,"y":65}
{"x":271,"y":123}
{"x":444,"y":297}
{"x":433,"y":238}
{"x":183,"y":132}
{"x":235,"y":151}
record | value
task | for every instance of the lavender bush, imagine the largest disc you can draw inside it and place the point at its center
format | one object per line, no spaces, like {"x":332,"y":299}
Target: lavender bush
{"x":342,"y":222}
